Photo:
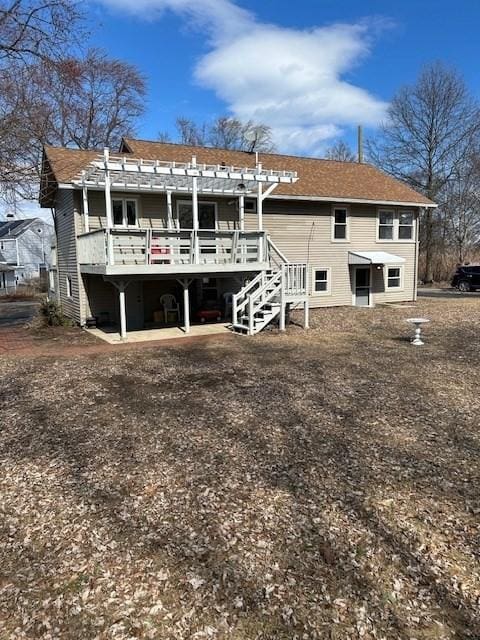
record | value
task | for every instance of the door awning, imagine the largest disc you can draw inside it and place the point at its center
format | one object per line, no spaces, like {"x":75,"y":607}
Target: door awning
{"x":373,"y":257}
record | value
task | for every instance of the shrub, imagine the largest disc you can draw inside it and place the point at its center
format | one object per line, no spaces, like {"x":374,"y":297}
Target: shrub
{"x":52,"y":314}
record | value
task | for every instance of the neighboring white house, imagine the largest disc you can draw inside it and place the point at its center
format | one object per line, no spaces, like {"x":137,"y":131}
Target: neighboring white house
{"x":24,"y":249}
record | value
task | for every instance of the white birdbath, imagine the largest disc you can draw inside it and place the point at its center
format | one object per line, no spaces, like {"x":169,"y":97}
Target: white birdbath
{"x":417,"y":340}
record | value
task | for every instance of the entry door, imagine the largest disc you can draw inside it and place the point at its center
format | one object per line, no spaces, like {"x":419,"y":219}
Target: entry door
{"x":362,"y":286}
{"x":134,"y":304}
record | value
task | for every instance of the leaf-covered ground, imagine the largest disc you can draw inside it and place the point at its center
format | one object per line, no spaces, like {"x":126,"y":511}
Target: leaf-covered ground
{"x":320,"y":484}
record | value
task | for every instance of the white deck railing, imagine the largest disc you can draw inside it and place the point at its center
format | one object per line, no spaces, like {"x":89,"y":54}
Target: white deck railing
{"x":120,"y":247}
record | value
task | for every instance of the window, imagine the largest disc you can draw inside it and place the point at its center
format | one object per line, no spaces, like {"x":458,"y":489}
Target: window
{"x":207,"y":215}
{"x":385,"y":225}
{"x":340,"y":224}
{"x":69,"y":287}
{"x":405,"y":226}
{"x":394,"y":280}
{"x":321,"y":281}
{"x":51,"y":280}
{"x":396,"y":226}
{"x":250,"y":205}
{"x":124,"y":212}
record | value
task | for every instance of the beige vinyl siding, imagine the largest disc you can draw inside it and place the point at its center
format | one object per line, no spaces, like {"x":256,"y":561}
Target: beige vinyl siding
{"x":152,"y":210}
{"x":67,"y":226}
{"x":303,"y":232}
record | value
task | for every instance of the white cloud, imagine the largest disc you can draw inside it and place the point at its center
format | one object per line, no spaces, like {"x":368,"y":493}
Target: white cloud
{"x":292,"y":80}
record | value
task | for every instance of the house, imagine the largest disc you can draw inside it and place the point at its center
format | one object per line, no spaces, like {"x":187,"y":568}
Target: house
{"x":24,"y":250}
{"x":220,"y":231}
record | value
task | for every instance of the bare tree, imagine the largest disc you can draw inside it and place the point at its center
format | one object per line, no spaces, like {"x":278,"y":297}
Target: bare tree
{"x":32,"y":29}
{"x":431,"y":126}
{"x":461,"y":208}
{"x":80,"y":103}
{"x":225,"y":133}
{"x":340,"y":151}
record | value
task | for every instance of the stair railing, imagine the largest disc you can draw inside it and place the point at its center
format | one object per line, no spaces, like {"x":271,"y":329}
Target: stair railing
{"x":240,"y":299}
{"x":277,"y":257}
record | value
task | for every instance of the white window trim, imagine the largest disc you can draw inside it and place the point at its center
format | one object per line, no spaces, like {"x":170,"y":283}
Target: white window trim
{"x":414,"y":222}
{"x":385,"y":275}
{"x":396,"y":224}
{"x":347,"y":225}
{"x":328,"y":291}
{"x":189,"y":202}
{"x":124,"y":200}
{"x":69,"y":286}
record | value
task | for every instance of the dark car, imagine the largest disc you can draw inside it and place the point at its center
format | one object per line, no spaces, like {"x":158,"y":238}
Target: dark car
{"x":466,"y":278}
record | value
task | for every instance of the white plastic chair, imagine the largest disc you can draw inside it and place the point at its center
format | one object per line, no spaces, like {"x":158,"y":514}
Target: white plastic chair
{"x":170,"y":305}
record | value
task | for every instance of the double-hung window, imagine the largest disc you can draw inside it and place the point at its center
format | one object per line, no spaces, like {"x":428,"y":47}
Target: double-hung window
{"x":385,"y":224}
{"x":340,"y":224}
{"x":405,"y":225}
{"x":321,"y":281}
{"x":395,"y":226}
{"x":124,"y":212}
{"x":394,"y":278}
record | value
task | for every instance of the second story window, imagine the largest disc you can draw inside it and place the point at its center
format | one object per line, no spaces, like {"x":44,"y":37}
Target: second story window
{"x":405,"y":226}
{"x":124,"y":212}
{"x":396,"y":226}
{"x":385,"y":225}
{"x":340,"y":224}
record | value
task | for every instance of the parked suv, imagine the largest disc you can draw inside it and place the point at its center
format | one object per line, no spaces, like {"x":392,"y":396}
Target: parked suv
{"x":466,"y":278}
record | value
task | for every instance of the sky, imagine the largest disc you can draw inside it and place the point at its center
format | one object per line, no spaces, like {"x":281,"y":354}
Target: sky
{"x":311,"y":72}
{"x":310,"y":69}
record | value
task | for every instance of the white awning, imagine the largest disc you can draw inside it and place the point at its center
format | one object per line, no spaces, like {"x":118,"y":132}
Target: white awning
{"x":373,"y":257}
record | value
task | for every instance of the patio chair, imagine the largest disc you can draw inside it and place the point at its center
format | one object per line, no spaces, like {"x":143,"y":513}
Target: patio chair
{"x":170,"y":305}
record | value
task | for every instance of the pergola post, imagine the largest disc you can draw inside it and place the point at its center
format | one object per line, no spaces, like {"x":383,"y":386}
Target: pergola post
{"x":260,"y":220}
{"x":170,"y":224}
{"x":241,"y":212}
{"x":195,"y":212}
{"x":86,"y":223}
{"x":108,"y":197}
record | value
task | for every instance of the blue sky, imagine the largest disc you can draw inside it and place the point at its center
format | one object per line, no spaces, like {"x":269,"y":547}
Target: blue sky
{"x":311,"y":73}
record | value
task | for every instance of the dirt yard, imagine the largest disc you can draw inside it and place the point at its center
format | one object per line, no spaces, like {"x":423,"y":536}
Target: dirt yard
{"x":320,"y":484}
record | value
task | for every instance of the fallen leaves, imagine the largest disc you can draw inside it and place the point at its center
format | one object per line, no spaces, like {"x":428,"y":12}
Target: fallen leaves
{"x":288,"y":486}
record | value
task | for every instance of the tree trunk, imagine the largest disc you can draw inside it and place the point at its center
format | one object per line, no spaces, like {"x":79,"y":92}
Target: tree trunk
{"x":428,"y":274}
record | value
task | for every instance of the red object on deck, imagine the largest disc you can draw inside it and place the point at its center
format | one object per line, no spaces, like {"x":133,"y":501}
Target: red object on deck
{"x":209,"y":314}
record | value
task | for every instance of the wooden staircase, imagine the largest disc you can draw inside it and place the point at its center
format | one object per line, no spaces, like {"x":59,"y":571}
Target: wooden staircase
{"x":266,"y":296}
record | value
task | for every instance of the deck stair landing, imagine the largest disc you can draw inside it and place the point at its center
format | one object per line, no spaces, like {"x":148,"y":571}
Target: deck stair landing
{"x":266,"y":296}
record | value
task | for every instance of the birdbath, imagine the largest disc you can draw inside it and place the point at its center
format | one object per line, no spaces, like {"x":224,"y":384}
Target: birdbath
{"x":418,"y":329}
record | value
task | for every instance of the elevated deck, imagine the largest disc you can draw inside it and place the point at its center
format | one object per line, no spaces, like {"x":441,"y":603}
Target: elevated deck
{"x":144,"y":252}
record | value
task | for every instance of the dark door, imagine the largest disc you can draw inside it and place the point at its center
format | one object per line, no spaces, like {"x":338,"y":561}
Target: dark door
{"x":362,"y":286}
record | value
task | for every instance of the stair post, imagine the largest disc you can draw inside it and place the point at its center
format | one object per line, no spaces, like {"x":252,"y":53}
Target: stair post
{"x":251,"y":323}
{"x":281,"y":323}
